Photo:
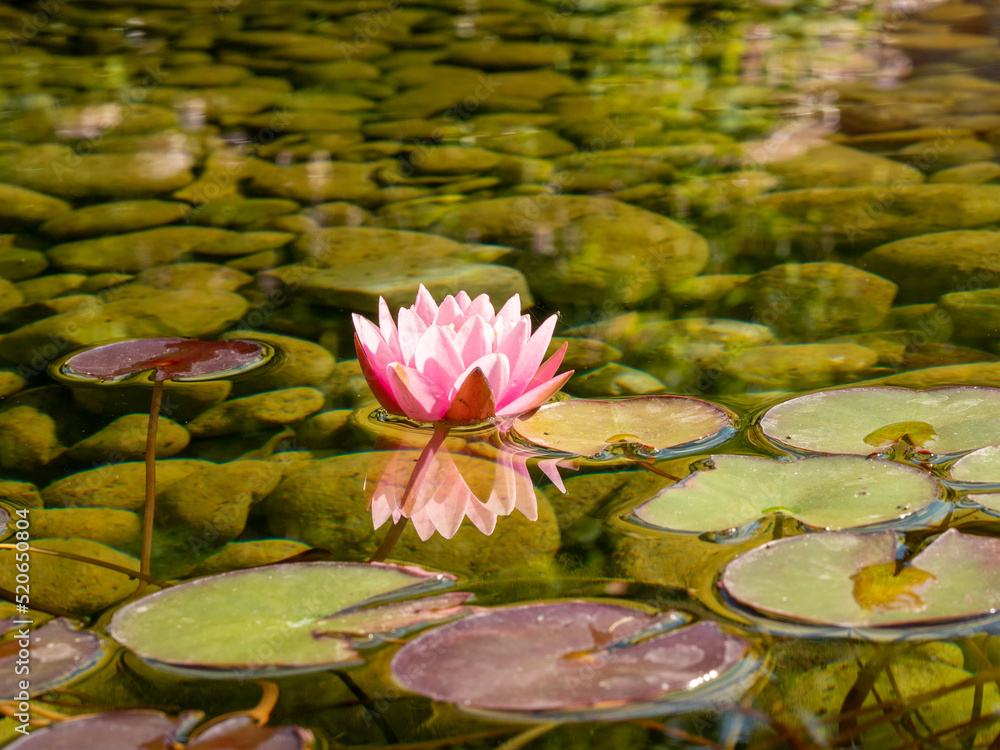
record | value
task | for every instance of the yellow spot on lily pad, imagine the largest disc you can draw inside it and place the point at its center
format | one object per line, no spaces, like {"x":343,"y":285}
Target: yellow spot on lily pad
{"x":917,"y":434}
{"x":881,"y":587}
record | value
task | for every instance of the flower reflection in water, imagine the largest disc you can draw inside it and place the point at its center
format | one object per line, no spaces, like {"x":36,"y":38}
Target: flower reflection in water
{"x":437,"y":483}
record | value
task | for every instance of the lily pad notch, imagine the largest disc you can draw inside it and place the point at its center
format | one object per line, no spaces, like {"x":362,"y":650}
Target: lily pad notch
{"x":152,"y":362}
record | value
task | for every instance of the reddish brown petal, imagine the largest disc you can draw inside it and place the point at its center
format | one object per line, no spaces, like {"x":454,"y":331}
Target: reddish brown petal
{"x":474,"y":401}
{"x":380,"y":391}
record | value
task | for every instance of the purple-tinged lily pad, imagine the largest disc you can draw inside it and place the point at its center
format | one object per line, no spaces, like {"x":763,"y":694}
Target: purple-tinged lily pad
{"x":142,"y":360}
{"x":852,"y":580}
{"x":58,"y":653}
{"x":153,"y":730}
{"x":829,"y":492}
{"x":261,"y":621}
{"x":668,"y":425}
{"x":861,"y":421}
{"x":567,"y":656}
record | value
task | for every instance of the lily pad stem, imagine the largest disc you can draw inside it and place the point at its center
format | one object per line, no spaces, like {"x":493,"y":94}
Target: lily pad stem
{"x":93,"y":561}
{"x":424,"y":462}
{"x":147,"y":513}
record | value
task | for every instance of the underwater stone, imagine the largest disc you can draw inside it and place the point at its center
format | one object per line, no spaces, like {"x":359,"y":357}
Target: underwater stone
{"x":979,"y":373}
{"x":10,"y":382}
{"x":359,"y":286}
{"x":975,"y":315}
{"x":800,"y":366}
{"x":315,"y":182}
{"x":865,"y":216}
{"x":582,"y":353}
{"x":124,"y":439}
{"x":51,"y":285}
{"x":17,"y":263}
{"x":209,"y":276}
{"x":74,"y":586}
{"x":258,"y":412}
{"x":490,"y":54}
{"x":121,"y":529}
{"x":301,"y":362}
{"x":58,"y":170}
{"x":215,"y":501}
{"x":115,"y":485}
{"x":346,"y":386}
{"x":237,"y":214}
{"x":240,"y":555}
{"x":809,"y":301}
{"x":975,"y":173}
{"x":28,"y":439}
{"x":575,"y":231}
{"x":20,"y":207}
{"x":23,"y":494}
{"x":928,"y":266}
{"x":10,"y":297}
{"x":534,"y":143}
{"x":134,"y":251}
{"x":335,"y":247}
{"x":244,"y":243}
{"x":614,"y":379}
{"x":705,"y":293}
{"x":181,"y":401}
{"x":113,"y":218}
{"x":325,"y":430}
{"x":149,"y":313}
{"x":832,"y":165}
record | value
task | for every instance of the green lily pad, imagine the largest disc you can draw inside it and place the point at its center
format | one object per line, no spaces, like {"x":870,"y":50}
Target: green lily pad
{"x":261,"y":621}
{"x":665,"y":425}
{"x":828,"y":492}
{"x":845,"y":579}
{"x":980,"y":467}
{"x":860,"y":421}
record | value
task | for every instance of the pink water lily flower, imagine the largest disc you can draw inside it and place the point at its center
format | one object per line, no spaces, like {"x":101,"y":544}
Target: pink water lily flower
{"x":460,"y":361}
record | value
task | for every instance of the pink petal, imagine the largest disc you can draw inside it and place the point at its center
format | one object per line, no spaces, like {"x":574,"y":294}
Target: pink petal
{"x":388,"y":326}
{"x":548,"y":370}
{"x":509,"y":314}
{"x":411,"y":328}
{"x":418,"y":396}
{"x":437,"y":357}
{"x":425,"y":306}
{"x":474,"y":339}
{"x":379,"y":384}
{"x":511,"y":345}
{"x":463,"y":301}
{"x":481,"y":306}
{"x":535,"y":397}
{"x":530,"y":356}
{"x":450,"y":314}
{"x":550,"y":468}
{"x":481,"y":517}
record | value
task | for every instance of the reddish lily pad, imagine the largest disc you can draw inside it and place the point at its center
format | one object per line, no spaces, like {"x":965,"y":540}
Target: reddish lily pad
{"x":183,"y":360}
{"x":59,"y":654}
{"x":829,"y":492}
{"x":853,"y":580}
{"x":275,"y":619}
{"x":146,"y":730}
{"x":861,"y":421}
{"x":666,"y":425}
{"x":567,"y":656}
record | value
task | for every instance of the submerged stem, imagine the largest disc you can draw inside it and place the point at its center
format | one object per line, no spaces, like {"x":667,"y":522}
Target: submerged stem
{"x":423,"y":465}
{"x":91,"y":561}
{"x":145,"y":559}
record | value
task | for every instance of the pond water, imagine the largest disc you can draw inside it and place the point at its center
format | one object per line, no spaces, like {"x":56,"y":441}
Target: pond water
{"x":736,"y":202}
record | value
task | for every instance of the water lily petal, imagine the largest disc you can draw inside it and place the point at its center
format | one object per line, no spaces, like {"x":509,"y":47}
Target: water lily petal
{"x":550,"y":468}
{"x":376,"y":379}
{"x":509,"y":314}
{"x":438,"y":359}
{"x":523,"y":369}
{"x":534,"y":397}
{"x":512,"y":345}
{"x":463,"y":300}
{"x":425,"y":306}
{"x":474,"y":401}
{"x":418,"y":396}
{"x":482,"y":307}
{"x":387,"y":326}
{"x":411,"y":328}
{"x":548,"y":370}
{"x":450,"y":314}
{"x":474,"y":339}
